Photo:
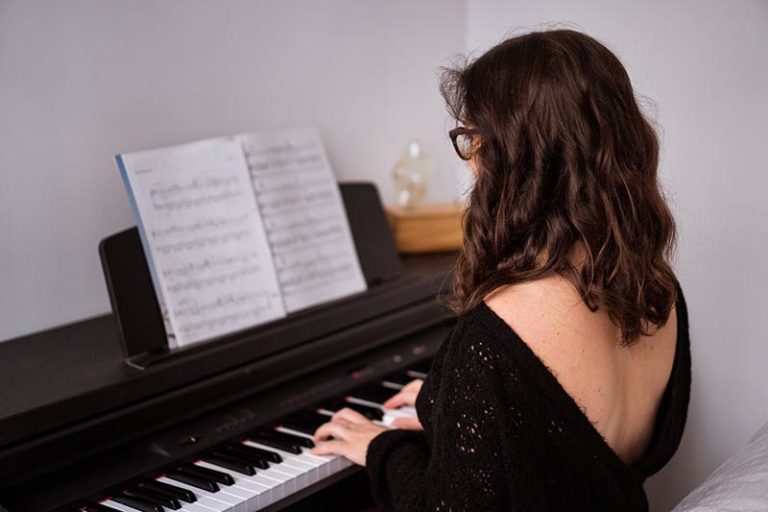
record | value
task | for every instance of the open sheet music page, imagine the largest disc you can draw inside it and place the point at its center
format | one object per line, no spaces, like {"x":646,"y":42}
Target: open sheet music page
{"x":202,"y":231}
{"x":304,"y":217}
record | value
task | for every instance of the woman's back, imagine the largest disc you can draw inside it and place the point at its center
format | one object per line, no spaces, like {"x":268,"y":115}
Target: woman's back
{"x":618,"y":387}
{"x":502,"y":433}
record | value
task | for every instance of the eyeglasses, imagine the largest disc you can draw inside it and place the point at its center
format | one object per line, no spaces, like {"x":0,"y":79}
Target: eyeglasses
{"x":462,"y":141}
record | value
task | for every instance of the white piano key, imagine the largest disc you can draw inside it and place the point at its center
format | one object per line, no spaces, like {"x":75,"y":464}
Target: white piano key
{"x":250,"y":491}
{"x":335,"y":462}
{"x":194,"y":507}
{"x":276,"y":486}
{"x":324,"y":468}
{"x":117,"y":506}
{"x":308,"y":473}
{"x":360,"y":401}
{"x":204,"y":498}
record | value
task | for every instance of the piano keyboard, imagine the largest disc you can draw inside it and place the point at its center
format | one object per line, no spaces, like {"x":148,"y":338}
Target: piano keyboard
{"x":270,"y":464}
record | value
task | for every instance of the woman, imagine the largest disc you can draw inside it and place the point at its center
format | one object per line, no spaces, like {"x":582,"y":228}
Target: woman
{"x":565,"y":381}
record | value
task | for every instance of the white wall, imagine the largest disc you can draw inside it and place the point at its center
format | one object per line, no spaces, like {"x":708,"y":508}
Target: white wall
{"x":82,"y":80}
{"x":705,"y":65}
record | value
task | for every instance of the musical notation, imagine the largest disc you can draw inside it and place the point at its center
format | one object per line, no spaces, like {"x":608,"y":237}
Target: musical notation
{"x":241,"y":231}
{"x":304,"y":217}
{"x":210,"y":256}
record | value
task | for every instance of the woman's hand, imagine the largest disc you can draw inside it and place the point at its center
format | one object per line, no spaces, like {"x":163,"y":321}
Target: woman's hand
{"x":348,"y":434}
{"x":406,"y":396}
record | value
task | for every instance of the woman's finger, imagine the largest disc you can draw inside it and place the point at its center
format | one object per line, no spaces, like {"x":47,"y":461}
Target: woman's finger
{"x":402,"y":398}
{"x":333,"y":447}
{"x":337,"y":430}
{"x":408,"y":423}
{"x":349,"y":415}
{"x":414,"y":385}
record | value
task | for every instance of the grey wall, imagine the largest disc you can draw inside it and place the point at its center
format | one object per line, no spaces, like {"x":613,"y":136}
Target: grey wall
{"x":705,"y":66}
{"x":82,"y":80}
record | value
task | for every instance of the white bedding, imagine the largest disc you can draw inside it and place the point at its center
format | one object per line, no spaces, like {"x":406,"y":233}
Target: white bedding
{"x":739,"y":484}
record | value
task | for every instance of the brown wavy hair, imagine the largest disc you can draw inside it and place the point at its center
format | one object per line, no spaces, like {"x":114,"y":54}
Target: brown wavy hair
{"x":566,"y":179}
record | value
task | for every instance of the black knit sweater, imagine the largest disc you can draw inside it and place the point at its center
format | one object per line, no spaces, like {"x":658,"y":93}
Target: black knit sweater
{"x":500,"y":433}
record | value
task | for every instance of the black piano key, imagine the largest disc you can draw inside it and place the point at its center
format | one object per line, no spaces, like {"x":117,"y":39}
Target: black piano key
{"x":306,"y":421}
{"x":138,"y":503}
{"x":228,"y":462}
{"x":299,"y":440}
{"x":257,"y":452}
{"x":399,"y":378}
{"x":154,"y":497}
{"x":193,"y":480}
{"x":373,"y":393}
{"x":268,"y":439}
{"x":257,"y":461}
{"x":369,"y":412}
{"x":97,"y":507}
{"x":419,"y":370}
{"x":217,"y":476}
{"x":171,"y":491}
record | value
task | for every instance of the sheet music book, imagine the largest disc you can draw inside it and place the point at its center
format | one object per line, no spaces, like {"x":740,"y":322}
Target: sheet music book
{"x":240,"y":230}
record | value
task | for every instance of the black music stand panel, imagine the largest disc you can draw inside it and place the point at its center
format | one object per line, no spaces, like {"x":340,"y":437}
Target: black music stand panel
{"x":137,"y":312}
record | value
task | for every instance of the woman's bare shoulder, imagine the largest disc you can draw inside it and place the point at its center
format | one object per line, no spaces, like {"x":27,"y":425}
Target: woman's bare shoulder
{"x":581,"y":348}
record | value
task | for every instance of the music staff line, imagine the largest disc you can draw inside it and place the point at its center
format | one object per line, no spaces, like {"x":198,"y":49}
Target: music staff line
{"x":210,"y":240}
{"x":199,"y":225}
{"x":315,"y":280}
{"x":211,"y":263}
{"x":185,"y":204}
{"x":263,"y":169}
{"x":306,"y":243}
{"x":293,"y":185}
{"x":190,"y":307}
{"x":204,"y":183}
{"x":228,"y":319}
{"x":201,"y":283}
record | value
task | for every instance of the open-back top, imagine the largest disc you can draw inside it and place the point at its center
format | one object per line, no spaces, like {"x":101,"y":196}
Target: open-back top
{"x":501,"y":433}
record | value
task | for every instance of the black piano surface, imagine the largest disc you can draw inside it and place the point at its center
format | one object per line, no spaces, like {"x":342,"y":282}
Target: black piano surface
{"x":76,"y":421}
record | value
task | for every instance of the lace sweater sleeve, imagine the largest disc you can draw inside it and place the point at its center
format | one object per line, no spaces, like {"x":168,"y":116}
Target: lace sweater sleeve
{"x":457,"y":462}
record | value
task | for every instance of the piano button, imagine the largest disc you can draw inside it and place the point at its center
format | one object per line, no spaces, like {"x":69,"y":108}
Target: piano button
{"x":306,"y":421}
{"x":273,"y":440}
{"x":227,"y":462}
{"x":216,"y":475}
{"x":257,"y":461}
{"x":155,"y":497}
{"x":292,"y":438}
{"x":193,"y":480}
{"x":218,"y":502}
{"x":170,"y":490}
{"x":142,"y":504}
{"x":268,"y":454}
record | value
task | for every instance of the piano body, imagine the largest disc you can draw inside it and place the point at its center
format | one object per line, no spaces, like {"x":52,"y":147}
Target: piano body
{"x":97,"y":416}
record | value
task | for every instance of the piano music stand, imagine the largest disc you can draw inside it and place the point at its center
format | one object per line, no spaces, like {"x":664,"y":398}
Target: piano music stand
{"x":137,"y":313}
